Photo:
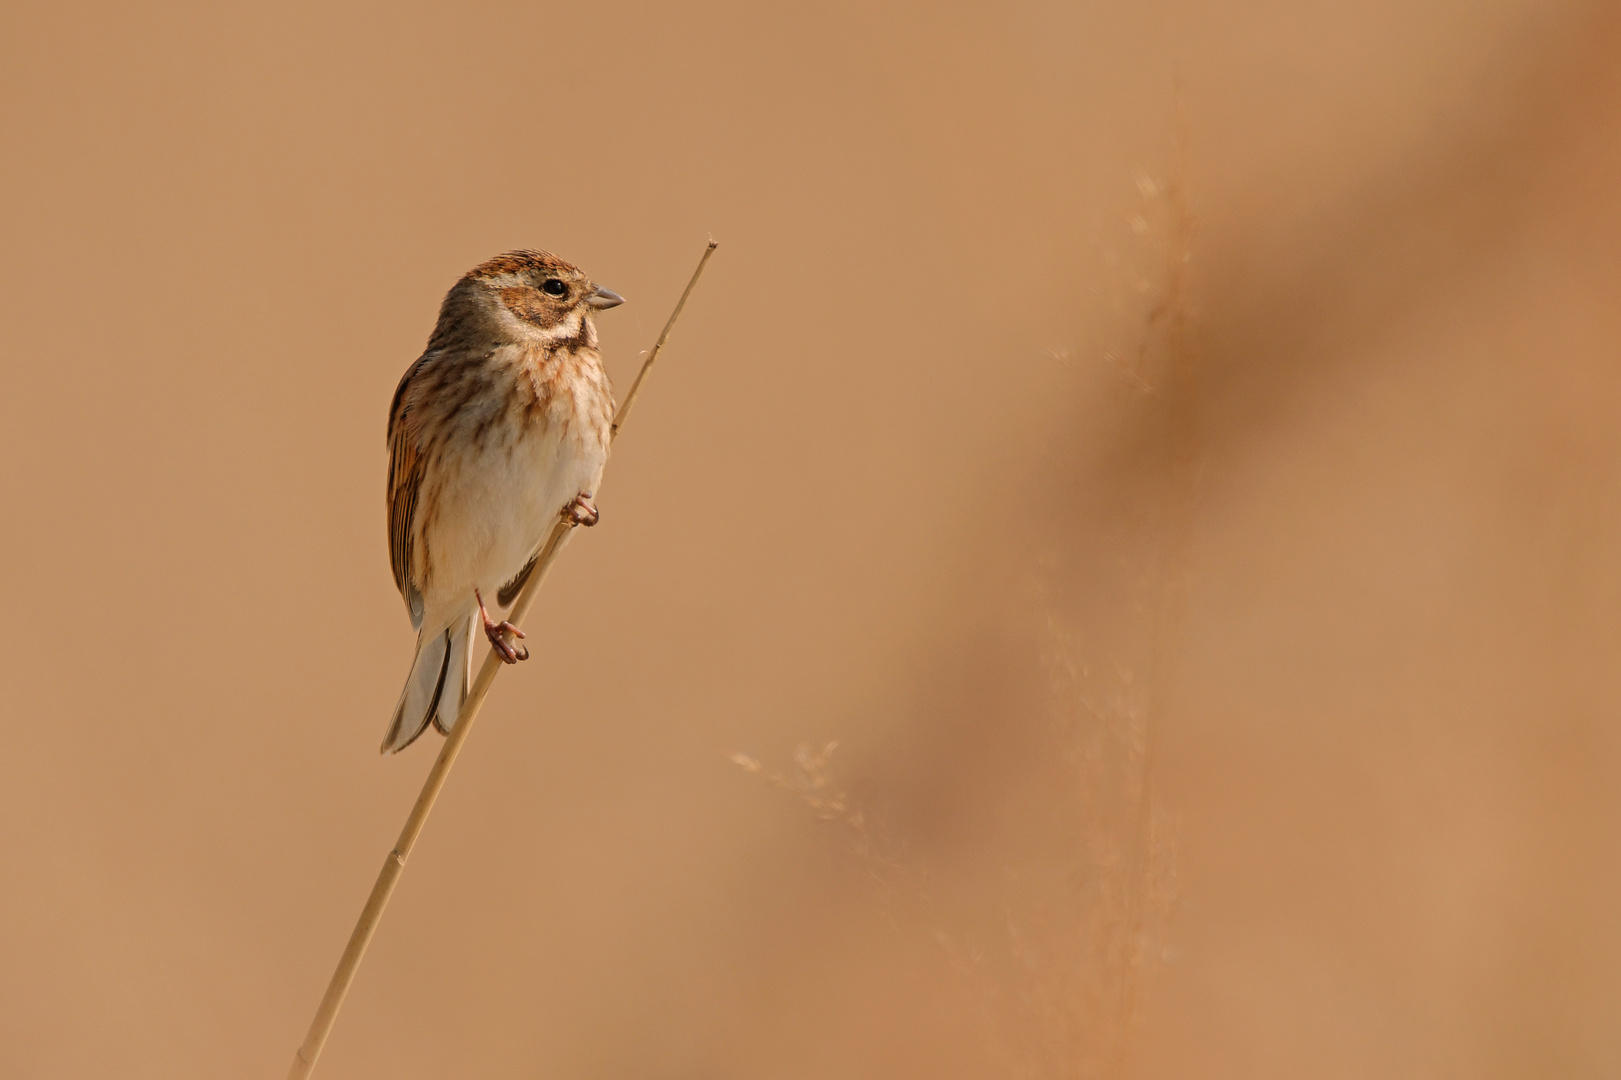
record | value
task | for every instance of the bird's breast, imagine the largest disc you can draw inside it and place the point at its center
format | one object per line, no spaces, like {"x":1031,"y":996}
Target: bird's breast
{"x":565,"y":394}
{"x":538,"y":438}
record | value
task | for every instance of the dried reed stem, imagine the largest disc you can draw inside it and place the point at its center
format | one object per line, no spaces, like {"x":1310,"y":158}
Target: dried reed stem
{"x":647,"y":365}
{"x":304,"y":1060}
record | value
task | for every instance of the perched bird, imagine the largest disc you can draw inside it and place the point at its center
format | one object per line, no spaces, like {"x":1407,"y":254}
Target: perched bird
{"x":499,"y":427}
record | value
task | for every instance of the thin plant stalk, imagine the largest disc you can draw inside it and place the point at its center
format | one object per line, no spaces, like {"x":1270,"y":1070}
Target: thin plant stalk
{"x":394,"y":864}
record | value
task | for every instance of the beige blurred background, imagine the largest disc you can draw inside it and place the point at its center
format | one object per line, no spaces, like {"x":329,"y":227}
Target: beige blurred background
{"x":1170,"y":447}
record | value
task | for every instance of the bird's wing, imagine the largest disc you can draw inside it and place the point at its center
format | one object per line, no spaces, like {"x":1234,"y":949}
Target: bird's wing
{"x":509,"y":591}
{"x":407,"y":465}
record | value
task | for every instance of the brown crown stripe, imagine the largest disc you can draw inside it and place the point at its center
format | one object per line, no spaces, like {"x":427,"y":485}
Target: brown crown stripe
{"x":517,"y":262}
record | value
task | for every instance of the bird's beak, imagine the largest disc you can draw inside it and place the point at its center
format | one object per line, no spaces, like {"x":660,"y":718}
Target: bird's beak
{"x":604,"y":298}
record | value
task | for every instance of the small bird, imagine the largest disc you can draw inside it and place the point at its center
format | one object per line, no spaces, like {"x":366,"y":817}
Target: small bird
{"x":500,"y":427}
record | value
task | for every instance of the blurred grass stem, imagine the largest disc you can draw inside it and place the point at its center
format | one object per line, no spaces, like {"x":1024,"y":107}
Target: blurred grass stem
{"x":394,"y":864}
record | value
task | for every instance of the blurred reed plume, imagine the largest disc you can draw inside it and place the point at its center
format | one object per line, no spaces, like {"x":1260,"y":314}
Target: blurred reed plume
{"x":1060,"y":952}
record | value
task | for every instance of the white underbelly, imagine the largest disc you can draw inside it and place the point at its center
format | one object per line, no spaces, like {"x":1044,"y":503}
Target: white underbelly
{"x":497,"y":509}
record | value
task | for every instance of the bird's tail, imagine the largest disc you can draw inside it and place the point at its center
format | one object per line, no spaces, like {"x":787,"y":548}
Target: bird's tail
{"x":436,"y":687}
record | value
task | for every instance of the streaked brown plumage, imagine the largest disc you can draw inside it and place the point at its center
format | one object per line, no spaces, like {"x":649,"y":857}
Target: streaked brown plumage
{"x":500,"y":426}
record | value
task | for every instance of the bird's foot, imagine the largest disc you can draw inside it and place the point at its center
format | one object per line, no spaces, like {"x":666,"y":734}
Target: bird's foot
{"x":581,"y":511}
{"x":509,"y":651}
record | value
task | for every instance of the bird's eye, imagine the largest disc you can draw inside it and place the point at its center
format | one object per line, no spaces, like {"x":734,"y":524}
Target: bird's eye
{"x":553,"y":287}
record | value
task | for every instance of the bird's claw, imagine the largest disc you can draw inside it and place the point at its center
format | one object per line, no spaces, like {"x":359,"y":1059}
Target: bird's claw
{"x":581,"y":511}
{"x":509,"y":652}
{"x":497,"y":633}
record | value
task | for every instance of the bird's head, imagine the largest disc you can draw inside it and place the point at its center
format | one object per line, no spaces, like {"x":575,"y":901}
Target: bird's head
{"x":534,"y":295}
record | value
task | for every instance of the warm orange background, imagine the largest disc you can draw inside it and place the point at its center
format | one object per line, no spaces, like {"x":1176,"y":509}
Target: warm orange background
{"x":1172,"y":447}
